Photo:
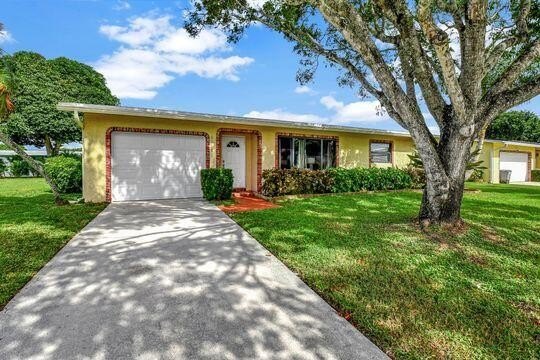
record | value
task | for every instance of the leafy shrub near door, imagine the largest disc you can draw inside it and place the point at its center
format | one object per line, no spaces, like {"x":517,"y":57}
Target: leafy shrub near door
{"x":535,"y":175}
{"x":66,"y":172}
{"x":217,"y":183}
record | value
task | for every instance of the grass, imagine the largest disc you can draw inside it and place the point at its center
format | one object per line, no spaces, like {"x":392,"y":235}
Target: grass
{"x":415,"y":294}
{"x":33,"y":229}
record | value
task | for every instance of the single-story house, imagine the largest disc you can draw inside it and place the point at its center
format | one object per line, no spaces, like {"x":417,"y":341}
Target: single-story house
{"x":137,"y":153}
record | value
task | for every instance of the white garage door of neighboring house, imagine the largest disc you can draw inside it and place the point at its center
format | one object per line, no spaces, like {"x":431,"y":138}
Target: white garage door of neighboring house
{"x":148,"y":166}
{"x":517,"y":163}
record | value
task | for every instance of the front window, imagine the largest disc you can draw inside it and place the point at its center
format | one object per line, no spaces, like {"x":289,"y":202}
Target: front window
{"x":380,"y":152}
{"x":306,"y":153}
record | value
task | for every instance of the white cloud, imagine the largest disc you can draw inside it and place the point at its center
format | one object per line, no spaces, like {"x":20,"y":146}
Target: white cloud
{"x":153,"y":52}
{"x":279,"y":114}
{"x":122,"y":5}
{"x":355,"y":112}
{"x":303,"y":90}
{"x":5,"y":37}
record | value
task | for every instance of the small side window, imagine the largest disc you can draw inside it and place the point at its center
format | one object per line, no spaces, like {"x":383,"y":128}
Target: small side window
{"x":380,"y":152}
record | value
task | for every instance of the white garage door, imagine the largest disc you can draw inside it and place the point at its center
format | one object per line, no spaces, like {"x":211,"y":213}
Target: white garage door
{"x":156,"y":166}
{"x":517,"y":163}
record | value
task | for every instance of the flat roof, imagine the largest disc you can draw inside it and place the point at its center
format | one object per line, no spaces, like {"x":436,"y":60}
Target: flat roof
{"x":241,"y":120}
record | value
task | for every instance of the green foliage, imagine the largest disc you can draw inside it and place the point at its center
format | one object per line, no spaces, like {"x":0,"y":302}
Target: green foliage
{"x":217,"y":183}
{"x":19,"y":167}
{"x":535,"y":175}
{"x":3,"y":167}
{"x":39,"y":85}
{"x":477,"y":175}
{"x":418,"y":176}
{"x":515,"y":125}
{"x":4,"y":147}
{"x":359,"y":179}
{"x":66,"y":172}
{"x":278,"y":182}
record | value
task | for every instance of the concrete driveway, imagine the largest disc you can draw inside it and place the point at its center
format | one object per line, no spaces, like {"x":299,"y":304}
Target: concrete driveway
{"x":173,"y":279}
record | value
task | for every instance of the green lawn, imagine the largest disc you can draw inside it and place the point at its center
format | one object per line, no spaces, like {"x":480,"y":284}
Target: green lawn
{"x":417,"y":295}
{"x":32,"y":230}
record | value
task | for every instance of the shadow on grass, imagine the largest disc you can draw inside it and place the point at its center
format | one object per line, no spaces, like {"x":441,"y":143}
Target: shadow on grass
{"x":418,"y":296}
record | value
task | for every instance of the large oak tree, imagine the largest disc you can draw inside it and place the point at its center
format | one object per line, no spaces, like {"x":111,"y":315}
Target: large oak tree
{"x":467,"y":61}
{"x":40,"y":84}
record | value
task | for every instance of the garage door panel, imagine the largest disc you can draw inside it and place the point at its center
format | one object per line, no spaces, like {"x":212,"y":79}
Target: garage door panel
{"x":517,"y":163}
{"x":156,"y":166}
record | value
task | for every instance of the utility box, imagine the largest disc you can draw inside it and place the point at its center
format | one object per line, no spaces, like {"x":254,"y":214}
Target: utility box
{"x":504,"y":176}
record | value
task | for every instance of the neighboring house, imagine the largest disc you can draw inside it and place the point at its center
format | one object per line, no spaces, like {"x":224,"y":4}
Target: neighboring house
{"x":7,"y":157}
{"x":137,"y":153}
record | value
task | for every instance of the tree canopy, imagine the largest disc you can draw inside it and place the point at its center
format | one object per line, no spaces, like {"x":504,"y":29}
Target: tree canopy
{"x":465,"y":61}
{"x":515,"y":125}
{"x":39,"y":84}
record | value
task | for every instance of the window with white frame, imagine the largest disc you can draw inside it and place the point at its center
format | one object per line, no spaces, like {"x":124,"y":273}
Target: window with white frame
{"x":306,"y":153}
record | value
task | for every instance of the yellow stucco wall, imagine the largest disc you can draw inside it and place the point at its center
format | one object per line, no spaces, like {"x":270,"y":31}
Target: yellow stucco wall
{"x":353,"y":147}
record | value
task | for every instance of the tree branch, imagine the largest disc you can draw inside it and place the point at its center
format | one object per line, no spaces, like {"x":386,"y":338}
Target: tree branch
{"x":516,"y":69}
{"x":502,"y":101}
{"x":441,"y":43}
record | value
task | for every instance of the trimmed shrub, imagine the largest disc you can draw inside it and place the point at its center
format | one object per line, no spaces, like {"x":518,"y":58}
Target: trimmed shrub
{"x":278,"y":182}
{"x":217,"y":183}
{"x":295,"y":181}
{"x":358,"y":179}
{"x":66,"y":172}
{"x":535,"y":175}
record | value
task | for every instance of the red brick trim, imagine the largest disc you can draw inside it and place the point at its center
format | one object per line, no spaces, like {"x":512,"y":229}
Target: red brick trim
{"x":231,"y":131}
{"x":376,"y":141}
{"x":108,"y":149}
{"x":529,"y":161}
{"x":304,"y":136}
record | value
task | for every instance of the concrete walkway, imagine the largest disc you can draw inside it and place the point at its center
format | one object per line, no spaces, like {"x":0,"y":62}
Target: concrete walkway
{"x":172,"y":279}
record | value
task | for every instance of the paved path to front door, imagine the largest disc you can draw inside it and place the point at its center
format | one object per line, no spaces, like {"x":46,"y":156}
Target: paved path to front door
{"x":174,"y":279}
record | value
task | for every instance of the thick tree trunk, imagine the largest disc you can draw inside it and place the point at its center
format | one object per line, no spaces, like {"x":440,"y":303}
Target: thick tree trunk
{"x":442,"y":206}
{"x":445,"y":178}
{"x":35,"y":165}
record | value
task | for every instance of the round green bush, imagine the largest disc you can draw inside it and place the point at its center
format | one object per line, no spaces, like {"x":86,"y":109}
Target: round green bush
{"x":66,"y":172}
{"x":217,"y":183}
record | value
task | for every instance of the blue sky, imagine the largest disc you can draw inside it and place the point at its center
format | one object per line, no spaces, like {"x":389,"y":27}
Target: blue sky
{"x":149,"y":61}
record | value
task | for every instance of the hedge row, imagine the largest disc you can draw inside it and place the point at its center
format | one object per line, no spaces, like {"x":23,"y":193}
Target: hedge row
{"x":278,"y":182}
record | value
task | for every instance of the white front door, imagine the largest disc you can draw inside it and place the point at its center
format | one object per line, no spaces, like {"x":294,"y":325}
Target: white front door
{"x":234,"y":157}
{"x":516,"y":162}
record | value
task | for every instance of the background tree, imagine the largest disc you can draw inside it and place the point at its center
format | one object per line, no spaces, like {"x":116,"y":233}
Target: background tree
{"x":7,"y":84}
{"x":41,"y":85}
{"x":466,"y":61}
{"x":515,"y":125}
